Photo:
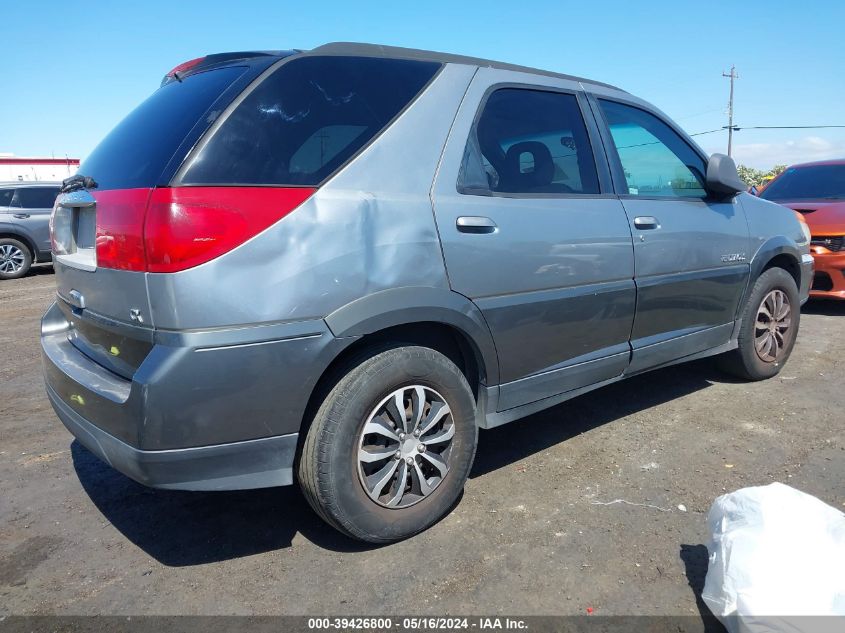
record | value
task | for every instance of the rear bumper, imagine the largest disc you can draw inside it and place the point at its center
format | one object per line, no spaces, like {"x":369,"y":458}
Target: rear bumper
{"x":829,"y":278}
{"x":256,"y":463}
{"x":210,"y":410}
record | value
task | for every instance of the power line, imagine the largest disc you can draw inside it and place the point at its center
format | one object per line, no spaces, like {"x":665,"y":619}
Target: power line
{"x":718,"y":129}
{"x":736,"y":128}
{"x":786,"y":127}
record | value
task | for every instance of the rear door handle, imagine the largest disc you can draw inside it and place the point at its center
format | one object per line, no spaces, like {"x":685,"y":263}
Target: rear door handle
{"x":646,"y":222}
{"x":21,"y":216}
{"x":475,"y":224}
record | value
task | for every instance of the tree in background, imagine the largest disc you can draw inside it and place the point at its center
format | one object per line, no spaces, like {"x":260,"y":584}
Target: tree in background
{"x":757,"y":177}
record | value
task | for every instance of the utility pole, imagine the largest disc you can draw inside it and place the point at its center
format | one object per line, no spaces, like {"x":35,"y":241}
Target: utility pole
{"x":732,"y":76}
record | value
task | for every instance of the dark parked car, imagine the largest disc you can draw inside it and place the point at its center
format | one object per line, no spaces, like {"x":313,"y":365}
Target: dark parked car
{"x":335,"y":266}
{"x":25,"y":209}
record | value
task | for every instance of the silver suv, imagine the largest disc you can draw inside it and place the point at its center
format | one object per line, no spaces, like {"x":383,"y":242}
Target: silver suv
{"x":335,"y":266}
{"x":25,"y":225}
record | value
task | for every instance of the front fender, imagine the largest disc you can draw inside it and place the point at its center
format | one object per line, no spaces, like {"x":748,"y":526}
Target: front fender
{"x":419,"y":304}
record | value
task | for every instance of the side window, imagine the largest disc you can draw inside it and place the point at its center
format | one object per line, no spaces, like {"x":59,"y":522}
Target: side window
{"x":529,"y":141}
{"x":6,"y":197}
{"x":656,"y":161}
{"x":35,"y":197}
{"x":304,"y":121}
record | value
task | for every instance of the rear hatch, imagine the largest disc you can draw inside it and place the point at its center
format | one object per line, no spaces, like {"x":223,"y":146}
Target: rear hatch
{"x":154,"y":211}
{"x":97,"y":232}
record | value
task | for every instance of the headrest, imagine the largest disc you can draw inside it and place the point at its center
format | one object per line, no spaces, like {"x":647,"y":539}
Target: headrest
{"x":520,"y":176}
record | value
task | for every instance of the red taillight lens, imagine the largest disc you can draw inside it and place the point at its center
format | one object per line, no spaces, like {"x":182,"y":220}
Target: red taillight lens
{"x":166,"y":230}
{"x":120,"y":228}
{"x":187,"y":226}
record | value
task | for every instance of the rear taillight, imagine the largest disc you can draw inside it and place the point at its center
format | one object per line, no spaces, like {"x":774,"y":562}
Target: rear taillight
{"x":166,"y":230}
{"x":187,"y":226}
{"x":120,"y":228}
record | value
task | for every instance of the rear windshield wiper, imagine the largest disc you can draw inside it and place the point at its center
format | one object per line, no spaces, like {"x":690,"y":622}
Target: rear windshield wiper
{"x":74,"y":183}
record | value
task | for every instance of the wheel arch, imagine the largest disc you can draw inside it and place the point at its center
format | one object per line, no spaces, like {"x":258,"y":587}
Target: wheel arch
{"x":417,"y":313}
{"x":24,"y":239}
{"x":776,"y":252}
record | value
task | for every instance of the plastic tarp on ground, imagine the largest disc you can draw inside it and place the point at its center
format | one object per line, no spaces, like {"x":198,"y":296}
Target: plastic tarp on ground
{"x":777,"y":561}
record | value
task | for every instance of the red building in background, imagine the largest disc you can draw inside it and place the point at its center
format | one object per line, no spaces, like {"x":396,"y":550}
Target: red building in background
{"x":27,"y":169}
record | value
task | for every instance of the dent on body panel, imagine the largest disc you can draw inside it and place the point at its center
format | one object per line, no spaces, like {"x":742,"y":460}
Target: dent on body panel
{"x":369,"y":228}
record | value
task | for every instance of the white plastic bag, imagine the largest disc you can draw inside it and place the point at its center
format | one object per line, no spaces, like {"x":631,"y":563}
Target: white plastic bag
{"x":775,"y":551}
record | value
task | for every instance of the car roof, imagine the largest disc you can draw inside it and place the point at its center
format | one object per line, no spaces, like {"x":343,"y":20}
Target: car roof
{"x":377,"y":50}
{"x":31,"y":183}
{"x":818,"y":163}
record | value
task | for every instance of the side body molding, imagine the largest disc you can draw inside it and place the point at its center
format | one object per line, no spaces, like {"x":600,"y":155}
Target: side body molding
{"x":419,"y":304}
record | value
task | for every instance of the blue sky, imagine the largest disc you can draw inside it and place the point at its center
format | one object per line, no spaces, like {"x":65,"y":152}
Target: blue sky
{"x":72,"y":71}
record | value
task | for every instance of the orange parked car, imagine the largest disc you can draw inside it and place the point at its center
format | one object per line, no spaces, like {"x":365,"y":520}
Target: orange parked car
{"x":817,"y":191}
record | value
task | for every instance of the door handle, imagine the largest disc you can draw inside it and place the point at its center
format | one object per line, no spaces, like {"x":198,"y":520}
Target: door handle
{"x":475,"y":224}
{"x":21,"y":216}
{"x":646,"y":222}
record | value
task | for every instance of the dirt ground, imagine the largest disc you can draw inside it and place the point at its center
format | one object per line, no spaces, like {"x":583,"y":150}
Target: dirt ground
{"x":598,"y":503}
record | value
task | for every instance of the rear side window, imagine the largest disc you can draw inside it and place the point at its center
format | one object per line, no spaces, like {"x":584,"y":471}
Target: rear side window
{"x":6,"y":197}
{"x":35,"y":197}
{"x":136,"y":152}
{"x":307,"y":119}
{"x":529,"y":142}
{"x":655,"y":159}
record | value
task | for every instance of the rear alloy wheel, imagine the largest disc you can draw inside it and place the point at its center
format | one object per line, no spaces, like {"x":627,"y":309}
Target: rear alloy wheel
{"x":390,"y":448}
{"x":405,"y":447}
{"x":769,"y":328}
{"x":15,"y":259}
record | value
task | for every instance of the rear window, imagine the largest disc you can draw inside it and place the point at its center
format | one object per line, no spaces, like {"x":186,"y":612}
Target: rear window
{"x":6,"y":197}
{"x":307,"y":119}
{"x":35,"y":197}
{"x":817,"y":182}
{"x":136,"y":152}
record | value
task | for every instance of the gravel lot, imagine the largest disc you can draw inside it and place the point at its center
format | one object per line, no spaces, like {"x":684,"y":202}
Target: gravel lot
{"x":539,"y":529}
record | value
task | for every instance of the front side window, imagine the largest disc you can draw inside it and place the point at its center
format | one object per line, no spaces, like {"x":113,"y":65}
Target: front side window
{"x":303,"y":122}
{"x":529,"y":142}
{"x":35,"y":197}
{"x":813,"y":182}
{"x":655,"y":159}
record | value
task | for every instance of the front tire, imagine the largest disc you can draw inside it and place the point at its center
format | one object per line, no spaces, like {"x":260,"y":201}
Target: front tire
{"x":15,"y":259}
{"x":769,"y":328}
{"x":391,"y":446}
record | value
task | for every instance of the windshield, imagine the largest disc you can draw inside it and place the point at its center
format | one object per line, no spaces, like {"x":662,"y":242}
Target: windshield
{"x":815,"y":182}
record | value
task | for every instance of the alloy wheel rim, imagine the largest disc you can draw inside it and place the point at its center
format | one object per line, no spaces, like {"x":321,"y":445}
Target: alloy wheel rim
{"x":772,"y":328}
{"x":11,"y":259}
{"x":405,"y":446}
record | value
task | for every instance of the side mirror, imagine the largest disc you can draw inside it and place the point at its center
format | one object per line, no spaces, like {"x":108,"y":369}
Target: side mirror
{"x":753,"y":190}
{"x":722,"y":178}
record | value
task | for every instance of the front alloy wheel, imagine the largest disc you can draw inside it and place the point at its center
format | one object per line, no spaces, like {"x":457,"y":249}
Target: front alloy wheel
{"x":771,"y":330}
{"x":15,"y":259}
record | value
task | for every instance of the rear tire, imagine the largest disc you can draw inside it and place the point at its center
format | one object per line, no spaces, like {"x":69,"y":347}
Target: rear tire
{"x":769,"y":328}
{"x":15,"y":259}
{"x":342,"y":467}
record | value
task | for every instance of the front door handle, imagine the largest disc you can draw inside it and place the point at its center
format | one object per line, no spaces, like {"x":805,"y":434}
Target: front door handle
{"x":646,"y":222}
{"x":21,"y":216}
{"x":475,"y":224}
